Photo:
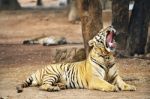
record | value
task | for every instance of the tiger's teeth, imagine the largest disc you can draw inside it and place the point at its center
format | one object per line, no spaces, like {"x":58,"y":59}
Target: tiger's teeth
{"x":110,"y":44}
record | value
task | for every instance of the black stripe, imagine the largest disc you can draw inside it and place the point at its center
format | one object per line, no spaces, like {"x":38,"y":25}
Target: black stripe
{"x":99,"y":40}
{"x":58,"y":70}
{"x":87,"y":83}
{"x":93,"y":60}
{"x":48,"y":72}
{"x":82,"y":84}
{"x":36,"y":78}
{"x":110,"y":66}
{"x":100,"y":73}
{"x":30,"y":81}
{"x":53,"y":69}
{"x":47,"y":69}
{"x":26,"y":82}
{"x":52,"y":80}
{"x":70,"y":85}
{"x":72,"y":77}
{"x":73,"y":84}
{"x":41,"y":73}
{"x":72,"y":73}
{"x":68,"y":67}
{"x":61,"y":65}
{"x":77,"y":78}
{"x":113,"y":78}
{"x":55,"y":76}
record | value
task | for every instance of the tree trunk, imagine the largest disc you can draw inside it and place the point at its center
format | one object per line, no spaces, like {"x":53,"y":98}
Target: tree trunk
{"x":147,"y":47}
{"x":68,"y":2}
{"x":39,"y":3}
{"x":91,"y":19}
{"x":138,"y":27}
{"x":120,"y":18}
{"x":9,"y":5}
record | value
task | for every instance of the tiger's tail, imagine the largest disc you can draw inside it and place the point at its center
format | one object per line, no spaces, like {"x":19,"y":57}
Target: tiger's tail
{"x":24,"y":84}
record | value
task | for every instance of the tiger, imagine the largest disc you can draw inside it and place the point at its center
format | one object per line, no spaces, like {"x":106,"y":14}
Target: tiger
{"x":49,"y":41}
{"x":97,"y":72}
{"x":46,"y":41}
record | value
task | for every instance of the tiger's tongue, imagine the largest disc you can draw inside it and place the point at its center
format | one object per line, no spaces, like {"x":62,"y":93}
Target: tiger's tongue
{"x":110,"y":39}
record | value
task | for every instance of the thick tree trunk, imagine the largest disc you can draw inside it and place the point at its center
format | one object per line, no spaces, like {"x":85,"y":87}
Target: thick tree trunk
{"x":147,"y":47}
{"x":9,"y":5}
{"x":68,"y":2}
{"x":138,"y":27}
{"x":120,"y":18}
{"x":91,"y":19}
{"x":39,"y":3}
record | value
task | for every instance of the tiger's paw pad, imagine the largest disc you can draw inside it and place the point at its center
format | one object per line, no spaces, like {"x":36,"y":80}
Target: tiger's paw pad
{"x":116,"y":89}
{"x":111,"y":89}
{"x":132,"y":88}
{"x":60,"y":85}
{"x":127,"y":87}
{"x":55,"y":88}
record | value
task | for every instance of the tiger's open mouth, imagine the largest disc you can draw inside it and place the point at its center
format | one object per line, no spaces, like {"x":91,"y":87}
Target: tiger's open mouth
{"x":110,"y":42}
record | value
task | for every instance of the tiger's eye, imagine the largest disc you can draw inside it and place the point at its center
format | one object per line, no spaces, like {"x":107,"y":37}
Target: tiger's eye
{"x":107,"y":57}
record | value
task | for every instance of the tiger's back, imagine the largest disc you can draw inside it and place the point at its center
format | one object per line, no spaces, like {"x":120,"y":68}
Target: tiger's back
{"x":72,"y":75}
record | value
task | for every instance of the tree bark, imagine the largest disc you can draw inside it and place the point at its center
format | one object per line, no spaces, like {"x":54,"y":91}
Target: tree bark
{"x":9,"y":5}
{"x":39,"y":3}
{"x":91,"y":20}
{"x":147,"y":47}
{"x":120,"y":18}
{"x":138,"y":27}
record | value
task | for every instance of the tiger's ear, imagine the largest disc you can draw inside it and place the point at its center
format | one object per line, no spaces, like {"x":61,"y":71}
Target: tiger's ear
{"x":92,"y":43}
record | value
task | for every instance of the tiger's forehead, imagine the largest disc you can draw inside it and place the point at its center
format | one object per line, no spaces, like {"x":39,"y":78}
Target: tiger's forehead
{"x":100,"y":36}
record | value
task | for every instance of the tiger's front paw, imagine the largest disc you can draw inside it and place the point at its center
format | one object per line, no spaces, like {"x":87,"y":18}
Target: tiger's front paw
{"x":111,"y":88}
{"x":116,"y":89}
{"x":130,"y":87}
{"x":127,"y":87}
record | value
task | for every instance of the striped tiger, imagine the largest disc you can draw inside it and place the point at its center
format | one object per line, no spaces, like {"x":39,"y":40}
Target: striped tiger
{"x":97,"y":72}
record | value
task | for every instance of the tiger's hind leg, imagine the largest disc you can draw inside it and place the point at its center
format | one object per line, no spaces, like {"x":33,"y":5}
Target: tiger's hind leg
{"x":48,"y":83}
{"x":55,"y":87}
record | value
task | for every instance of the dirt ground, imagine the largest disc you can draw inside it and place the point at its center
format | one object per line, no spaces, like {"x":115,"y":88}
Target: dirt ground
{"x":17,"y":61}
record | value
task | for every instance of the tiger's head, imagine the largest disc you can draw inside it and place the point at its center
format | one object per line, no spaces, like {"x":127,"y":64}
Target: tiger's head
{"x":105,"y":39}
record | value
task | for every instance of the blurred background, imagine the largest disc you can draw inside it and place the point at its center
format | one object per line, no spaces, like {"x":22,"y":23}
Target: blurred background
{"x":22,"y":20}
